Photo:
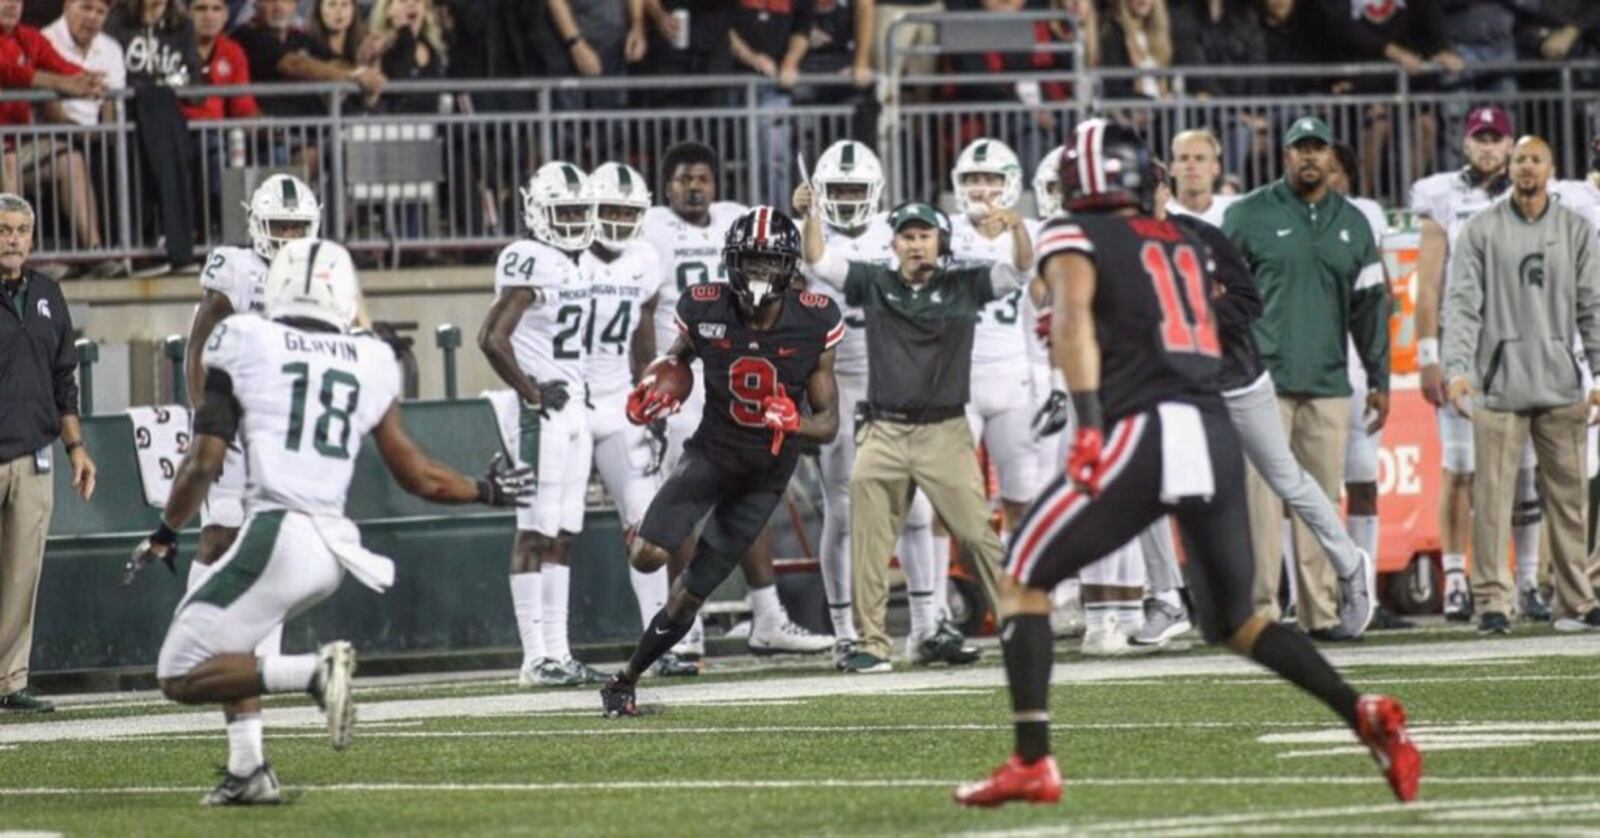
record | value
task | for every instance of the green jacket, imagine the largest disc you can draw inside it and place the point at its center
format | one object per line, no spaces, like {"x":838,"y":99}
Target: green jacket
{"x":1321,"y":278}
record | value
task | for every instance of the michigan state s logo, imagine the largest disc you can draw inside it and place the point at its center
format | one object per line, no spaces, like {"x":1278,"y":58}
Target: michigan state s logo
{"x":1531,"y":271}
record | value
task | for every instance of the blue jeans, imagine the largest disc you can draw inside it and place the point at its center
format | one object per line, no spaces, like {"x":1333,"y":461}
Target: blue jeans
{"x":775,"y":154}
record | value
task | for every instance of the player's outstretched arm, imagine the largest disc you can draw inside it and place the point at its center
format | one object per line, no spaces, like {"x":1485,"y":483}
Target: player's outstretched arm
{"x":213,"y":309}
{"x":434,"y":481}
{"x":494,"y":339}
{"x":1431,"y":253}
{"x":642,"y":348}
{"x":822,"y":391}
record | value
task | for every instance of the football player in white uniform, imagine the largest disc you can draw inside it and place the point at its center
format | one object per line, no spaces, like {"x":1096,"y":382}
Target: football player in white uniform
{"x":1443,"y":203}
{"x":623,"y":272}
{"x":847,"y":186}
{"x":1361,"y":450}
{"x":296,"y":543}
{"x":282,"y":209}
{"x":987,"y":180}
{"x":688,"y":234}
{"x":1196,"y":168}
{"x":533,"y":337}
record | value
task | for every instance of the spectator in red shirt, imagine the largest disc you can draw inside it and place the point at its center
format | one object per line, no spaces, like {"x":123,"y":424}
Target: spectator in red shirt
{"x":27,"y":59}
{"x":222,"y":63}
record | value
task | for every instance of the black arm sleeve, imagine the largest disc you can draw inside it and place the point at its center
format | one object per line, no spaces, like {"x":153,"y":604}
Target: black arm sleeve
{"x":220,"y":412}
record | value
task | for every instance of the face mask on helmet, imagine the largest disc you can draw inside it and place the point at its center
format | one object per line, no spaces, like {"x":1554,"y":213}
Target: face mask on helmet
{"x":621,"y":199}
{"x":283,"y":209}
{"x":558,"y":207}
{"x":987,"y":176}
{"x":849,"y":183}
{"x":759,"y":276}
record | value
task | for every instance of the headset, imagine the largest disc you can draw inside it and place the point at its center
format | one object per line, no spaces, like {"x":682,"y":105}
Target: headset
{"x":946,"y":229}
{"x":1494,"y":184}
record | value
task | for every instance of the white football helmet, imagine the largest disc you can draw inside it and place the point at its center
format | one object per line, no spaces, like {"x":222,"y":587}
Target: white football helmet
{"x":313,"y":278}
{"x":281,"y":199}
{"x":848,"y":163}
{"x":616,"y":185}
{"x":1047,"y":184}
{"x":986,"y":156}
{"x":557,"y":187}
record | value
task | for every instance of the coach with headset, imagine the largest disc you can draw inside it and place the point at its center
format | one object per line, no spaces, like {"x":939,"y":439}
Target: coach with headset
{"x":912,"y":430}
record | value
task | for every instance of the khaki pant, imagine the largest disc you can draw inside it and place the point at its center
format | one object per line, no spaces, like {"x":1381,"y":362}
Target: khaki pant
{"x":25,"y":502}
{"x":892,"y":459}
{"x":1317,"y":431}
{"x":1560,"y":444}
{"x":920,"y":34}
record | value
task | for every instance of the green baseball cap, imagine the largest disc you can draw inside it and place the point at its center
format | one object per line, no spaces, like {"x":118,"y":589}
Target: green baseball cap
{"x":1308,"y":128}
{"x":914,"y":213}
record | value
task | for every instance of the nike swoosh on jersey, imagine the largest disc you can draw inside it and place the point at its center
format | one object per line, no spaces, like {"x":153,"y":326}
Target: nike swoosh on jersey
{"x":1282,"y":233}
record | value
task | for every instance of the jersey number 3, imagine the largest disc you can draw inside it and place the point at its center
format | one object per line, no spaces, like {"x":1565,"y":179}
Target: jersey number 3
{"x":1186,"y":324}
{"x":324,"y":440}
{"x":750,"y":380}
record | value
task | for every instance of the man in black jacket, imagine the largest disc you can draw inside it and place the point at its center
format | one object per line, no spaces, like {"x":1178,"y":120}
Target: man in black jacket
{"x":37,"y":363}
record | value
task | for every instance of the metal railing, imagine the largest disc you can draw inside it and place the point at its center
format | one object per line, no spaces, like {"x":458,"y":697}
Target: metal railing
{"x":449,"y":180}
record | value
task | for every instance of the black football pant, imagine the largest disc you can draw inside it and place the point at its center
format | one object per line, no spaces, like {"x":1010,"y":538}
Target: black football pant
{"x":1067,"y":529}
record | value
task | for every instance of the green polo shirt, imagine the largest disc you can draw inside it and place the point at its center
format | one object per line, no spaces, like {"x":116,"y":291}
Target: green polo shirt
{"x":919,"y":339}
{"x":1322,"y":283}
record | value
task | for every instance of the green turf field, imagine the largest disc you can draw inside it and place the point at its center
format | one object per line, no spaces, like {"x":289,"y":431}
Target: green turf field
{"x":1198,"y":744}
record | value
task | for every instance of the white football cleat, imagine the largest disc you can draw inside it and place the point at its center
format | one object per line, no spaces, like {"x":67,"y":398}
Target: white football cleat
{"x":693,"y":645}
{"x":336,"y":669}
{"x":788,"y":637}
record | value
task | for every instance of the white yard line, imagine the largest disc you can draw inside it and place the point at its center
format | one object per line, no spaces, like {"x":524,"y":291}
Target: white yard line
{"x":804,"y":687}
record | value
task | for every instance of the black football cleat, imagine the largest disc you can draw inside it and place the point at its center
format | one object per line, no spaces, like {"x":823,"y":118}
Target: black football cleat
{"x":617,"y":699}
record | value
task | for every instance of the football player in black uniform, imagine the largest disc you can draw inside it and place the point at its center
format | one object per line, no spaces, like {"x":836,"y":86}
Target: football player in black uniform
{"x":766,"y":350}
{"x":1134,"y":332}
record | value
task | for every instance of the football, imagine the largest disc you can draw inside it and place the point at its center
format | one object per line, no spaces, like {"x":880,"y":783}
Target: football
{"x":671,"y":376}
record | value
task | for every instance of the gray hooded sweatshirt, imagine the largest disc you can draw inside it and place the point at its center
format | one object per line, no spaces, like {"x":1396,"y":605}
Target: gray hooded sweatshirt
{"x":1520,"y":289}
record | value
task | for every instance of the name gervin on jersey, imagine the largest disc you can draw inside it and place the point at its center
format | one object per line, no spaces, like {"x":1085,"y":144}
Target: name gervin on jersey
{"x":339,"y":348}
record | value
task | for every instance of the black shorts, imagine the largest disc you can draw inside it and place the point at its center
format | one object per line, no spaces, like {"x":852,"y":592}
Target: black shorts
{"x":737,"y":489}
{"x":1066,"y":530}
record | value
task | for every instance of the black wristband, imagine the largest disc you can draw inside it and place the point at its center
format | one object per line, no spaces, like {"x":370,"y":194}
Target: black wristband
{"x":571,"y":42}
{"x":485,"y":492}
{"x":73,"y":445}
{"x":1086,"y":405}
{"x":164,"y":535}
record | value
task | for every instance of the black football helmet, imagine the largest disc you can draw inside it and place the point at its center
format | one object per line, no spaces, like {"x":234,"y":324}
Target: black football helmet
{"x":1107,"y":167}
{"x":760,"y":252}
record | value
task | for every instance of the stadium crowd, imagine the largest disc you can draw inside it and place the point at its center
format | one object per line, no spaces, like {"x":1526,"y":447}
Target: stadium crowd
{"x":156,"y":48}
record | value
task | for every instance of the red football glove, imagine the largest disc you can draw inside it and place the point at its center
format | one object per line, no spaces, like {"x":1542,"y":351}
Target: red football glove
{"x":779,"y":413}
{"x":647,"y":404}
{"x":1083,"y":460}
{"x":1041,"y":326}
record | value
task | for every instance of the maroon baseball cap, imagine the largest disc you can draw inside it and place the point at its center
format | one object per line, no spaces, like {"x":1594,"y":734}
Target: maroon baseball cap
{"x":1488,"y":118}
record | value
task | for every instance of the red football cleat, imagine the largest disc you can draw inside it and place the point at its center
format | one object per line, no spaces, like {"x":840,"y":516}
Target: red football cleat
{"x":1036,"y":783}
{"x":1381,"y":724}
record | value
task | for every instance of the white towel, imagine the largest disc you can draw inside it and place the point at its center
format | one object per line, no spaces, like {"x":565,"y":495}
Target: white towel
{"x":507,"y":406}
{"x":344,"y":540}
{"x":160,"y":439}
{"x":1185,"y":457}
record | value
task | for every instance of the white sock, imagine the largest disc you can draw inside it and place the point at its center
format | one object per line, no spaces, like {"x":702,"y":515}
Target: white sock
{"x":1363,"y":531}
{"x":1526,"y":539}
{"x":1097,"y":616}
{"x":917,"y":560}
{"x":287,"y":673}
{"x":1454,"y":563}
{"x":197,"y":575}
{"x":553,"y":595}
{"x":1170,"y":597}
{"x":650,"y":591}
{"x":246,"y":752}
{"x":1288,"y":562}
{"x":1066,"y":593}
{"x":941,"y":576}
{"x":525,"y":592}
{"x":767,"y":610}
